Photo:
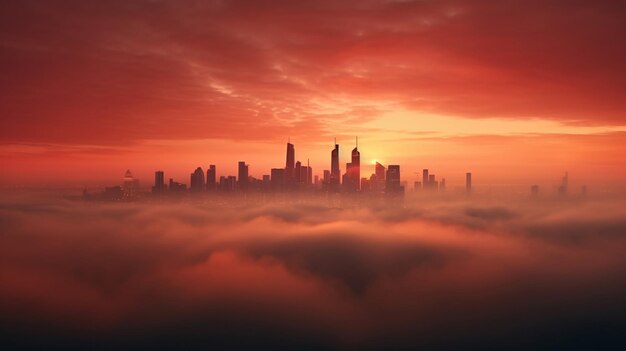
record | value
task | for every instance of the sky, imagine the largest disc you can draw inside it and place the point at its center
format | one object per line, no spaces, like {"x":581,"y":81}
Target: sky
{"x":518,"y":92}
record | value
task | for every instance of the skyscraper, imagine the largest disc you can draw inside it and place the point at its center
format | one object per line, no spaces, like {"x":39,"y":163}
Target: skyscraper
{"x":425,"y":179}
{"x":353,"y":170}
{"x":304,"y":175}
{"x":266,"y":182}
{"x":277,"y":178}
{"x":231,"y":182}
{"x":365,"y":184}
{"x":130,"y":185}
{"x":297,"y":173}
{"x":289,"y":164}
{"x":211,"y":178}
{"x":378,"y":178}
{"x":197,"y":180}
{"x":243,"y":176}
{"x":468,"y":182}
{"x":393,"y":180}
{"x":176,"y":186}
{"x":159,"y":182}
{"x":326,"y":180}
{"x":227,"y":183}
{"x":380,"y":171}
{"x":335,"y":172}
{"x":309,"y":175}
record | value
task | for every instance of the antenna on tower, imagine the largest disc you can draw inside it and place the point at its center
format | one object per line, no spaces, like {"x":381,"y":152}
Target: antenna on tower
{"x":307,"y":163}
{"x":357,"y":142}
{"x":335,"y":140}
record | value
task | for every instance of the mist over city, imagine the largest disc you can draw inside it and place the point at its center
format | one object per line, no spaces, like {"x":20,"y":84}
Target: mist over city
{"x":514,"y":273}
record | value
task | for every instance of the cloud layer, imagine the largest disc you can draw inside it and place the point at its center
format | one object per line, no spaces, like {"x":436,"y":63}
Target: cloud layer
{"x":441,"y":273}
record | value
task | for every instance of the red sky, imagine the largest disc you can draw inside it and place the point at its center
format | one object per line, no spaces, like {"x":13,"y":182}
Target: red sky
{"x":516,"y":91}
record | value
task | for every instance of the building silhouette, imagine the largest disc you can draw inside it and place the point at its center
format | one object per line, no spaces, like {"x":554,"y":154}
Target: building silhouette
{"x":392,"y":181}
{"x":113,"y":192}
{"x":309,"y":174}
{"x":352,"y":177}
{"x":335,"y":172}
{"x":290,"y":164}
{"x":176,"y":186}
{"x":365,"y":185}
{"x":429,"y":182}
{"x":468,"y":182}
{"x":228,"y":183}
{"x":159,"y":182}
{"x":197,"y":181}
{"x":297,"y":173}
{"x":277,"y":178}
{"x":211,"y":178}
{"x":295,"y":176}
{"x":377,"y":179}
{"x":242,"y":176}
{"x":326,"y":180}
{"x":303,"y":175}
{"x":380,"y":171}
{"x":130,"y":185}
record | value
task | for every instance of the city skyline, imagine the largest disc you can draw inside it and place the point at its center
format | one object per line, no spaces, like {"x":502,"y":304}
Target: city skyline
{"x":293,"y":177}
{"x":499,"y":173}
{"x":297,"y":177}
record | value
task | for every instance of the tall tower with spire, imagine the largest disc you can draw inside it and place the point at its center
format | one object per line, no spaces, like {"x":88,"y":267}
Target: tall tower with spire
{"x":290,"y":163}
{"x":353,"y":169}
{"x":335,"y":172}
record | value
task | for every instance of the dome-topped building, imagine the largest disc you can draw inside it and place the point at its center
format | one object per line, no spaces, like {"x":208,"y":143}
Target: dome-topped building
{"x":130,"y":185}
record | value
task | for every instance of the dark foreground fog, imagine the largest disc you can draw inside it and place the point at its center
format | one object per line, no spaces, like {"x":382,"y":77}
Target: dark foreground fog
{"x":436,"y":273}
